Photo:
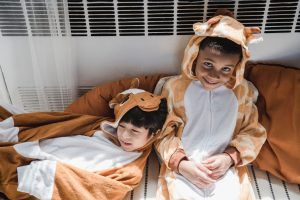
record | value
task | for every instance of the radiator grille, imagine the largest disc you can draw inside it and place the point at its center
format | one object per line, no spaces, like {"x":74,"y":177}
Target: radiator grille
{"x":137,"y":17}
{"x":37,"y":99}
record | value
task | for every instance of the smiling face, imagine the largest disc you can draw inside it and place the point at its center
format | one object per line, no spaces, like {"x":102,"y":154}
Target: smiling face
{"x":213,"y":68}
{"x":132,"y":137}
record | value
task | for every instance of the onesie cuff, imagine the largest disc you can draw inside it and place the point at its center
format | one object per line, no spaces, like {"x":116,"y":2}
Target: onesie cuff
{"x":234,"y":155}
{"x":176,"y":158}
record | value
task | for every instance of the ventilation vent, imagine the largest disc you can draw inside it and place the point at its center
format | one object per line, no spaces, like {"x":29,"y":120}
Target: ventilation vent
{"x":41,"y":19}
{"x":12,"y":21}
{"x":160,"y":17}
{"x":131,"y":17}
{"x":138,"y":17}
{"x":251,"y":13}
{"x":213,"y":6}
{"x":77,"y":18}
{"x":44,"y":19}
{"x":188,"y":13}
{"x":298,"y":23}
{"x":101,"y":18}
{"x":57,"y":99}
{"x":281,"y":16}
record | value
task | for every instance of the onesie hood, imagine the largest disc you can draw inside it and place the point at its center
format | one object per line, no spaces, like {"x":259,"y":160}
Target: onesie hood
{"x":226,"y":27}
{"x":125,"y":101}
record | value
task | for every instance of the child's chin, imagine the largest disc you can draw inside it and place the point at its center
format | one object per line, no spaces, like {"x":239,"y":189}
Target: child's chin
{"x":210,"y":87}
{"x":127,"y":148}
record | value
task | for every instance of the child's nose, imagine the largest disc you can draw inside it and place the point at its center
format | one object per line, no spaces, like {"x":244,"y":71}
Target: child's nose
{"x":126,"y":134}
{"x":214,"y":74}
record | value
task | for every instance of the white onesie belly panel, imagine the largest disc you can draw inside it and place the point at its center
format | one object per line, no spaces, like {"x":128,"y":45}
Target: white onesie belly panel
{"x":90,"y":153}
{"x":211,"y":119}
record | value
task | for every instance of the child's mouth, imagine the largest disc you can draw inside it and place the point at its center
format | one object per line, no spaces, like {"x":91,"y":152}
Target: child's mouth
{"x":125,"y":143}
{"x":210,"y":82}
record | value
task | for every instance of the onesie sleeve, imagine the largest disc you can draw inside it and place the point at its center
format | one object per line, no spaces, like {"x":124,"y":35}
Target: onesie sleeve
{"x":168,"y":145}
{"x":249,"y":134}
{"x":44,"y":125}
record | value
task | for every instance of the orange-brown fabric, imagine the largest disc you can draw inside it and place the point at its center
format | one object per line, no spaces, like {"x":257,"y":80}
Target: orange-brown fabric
{"x":249,"y":135}
{"x":279,"y":108}
{"x":145,"y":101}
{"x":95,"y":102}
{"x":71,"y":182}
{"x":114,"y":184}
{"x":9,"y":179}
{"x":34,"y":127}
{"x":50,"y":124}
{"x":59,"y":126}
{"x":4,"y":114}
{"x":234,"y":155}
{"x":74,"y":183}
{"x":226,"y":27}
{"x":176,"y":158}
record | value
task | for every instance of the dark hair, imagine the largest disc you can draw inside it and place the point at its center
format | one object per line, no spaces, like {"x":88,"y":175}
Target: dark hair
{"x":222,"y":45}
{"x":152,"y":121}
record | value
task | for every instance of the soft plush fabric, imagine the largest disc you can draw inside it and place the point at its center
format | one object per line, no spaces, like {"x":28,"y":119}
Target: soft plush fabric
{"x":72,"y":151}
{"x":222,"y":118}
{"x":95,"y":102}
{"x":279,"y":108}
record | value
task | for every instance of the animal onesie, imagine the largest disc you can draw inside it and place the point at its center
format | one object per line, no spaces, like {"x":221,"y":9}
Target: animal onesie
{"x":224,"y":119}
{"x":53,"y":155}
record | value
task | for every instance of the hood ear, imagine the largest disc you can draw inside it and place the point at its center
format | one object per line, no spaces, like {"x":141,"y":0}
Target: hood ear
{"x":135,"y":83}
{"x":214,"y":20}
{"x":119,"y":99}
{"x":124,"y":96}
{"x":252,"y":34}
{"x":201,"y":28}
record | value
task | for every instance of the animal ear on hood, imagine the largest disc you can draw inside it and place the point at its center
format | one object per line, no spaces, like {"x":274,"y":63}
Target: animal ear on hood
{"x":119,"y":99}
{"x":252,"y":35}
{"x":124,"y":96}
{"x":213,"y":20}
{"x":201,"y":28}
{"x":135,"y":83}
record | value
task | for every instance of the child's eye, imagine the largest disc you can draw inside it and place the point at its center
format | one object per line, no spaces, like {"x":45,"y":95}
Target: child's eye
{"x":226,"y":69}
{"x":207,"y":65}
{"x":135,"y":132}
{"x":121,"y":126}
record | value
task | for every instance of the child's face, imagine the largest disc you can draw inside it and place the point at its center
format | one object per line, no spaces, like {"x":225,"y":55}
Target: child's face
{"x":214,"y":69}
{"x":132,"y":137}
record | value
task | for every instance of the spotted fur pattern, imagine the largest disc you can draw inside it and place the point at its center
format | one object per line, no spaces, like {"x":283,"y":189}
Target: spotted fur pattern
{"x":248,"y":136}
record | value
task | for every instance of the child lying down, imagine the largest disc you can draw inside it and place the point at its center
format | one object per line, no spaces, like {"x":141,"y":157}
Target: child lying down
{"x":66,"y":156}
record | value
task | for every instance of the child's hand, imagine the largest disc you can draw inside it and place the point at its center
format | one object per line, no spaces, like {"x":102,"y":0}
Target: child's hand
{"x":218,"y":164}
{"x":196,"y":173}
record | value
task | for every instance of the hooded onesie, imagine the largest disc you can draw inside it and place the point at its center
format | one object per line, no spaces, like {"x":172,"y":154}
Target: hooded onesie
{"x":224,"y":119}
{"x":53,"y":155}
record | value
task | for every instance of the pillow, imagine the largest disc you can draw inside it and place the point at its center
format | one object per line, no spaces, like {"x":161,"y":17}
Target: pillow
{"x":279,"y":112}
{"x":95,"y":102}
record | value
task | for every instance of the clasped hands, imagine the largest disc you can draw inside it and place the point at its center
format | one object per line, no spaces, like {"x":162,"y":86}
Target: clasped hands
{"x":204,"y":174}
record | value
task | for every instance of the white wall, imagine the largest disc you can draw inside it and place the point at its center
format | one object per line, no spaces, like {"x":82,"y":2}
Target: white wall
{"x":3,"y":90}
{"x":29,"y":63}
{"x":110,"y":58}
{"x":278,"y":48}
{"x":101,"y":59}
